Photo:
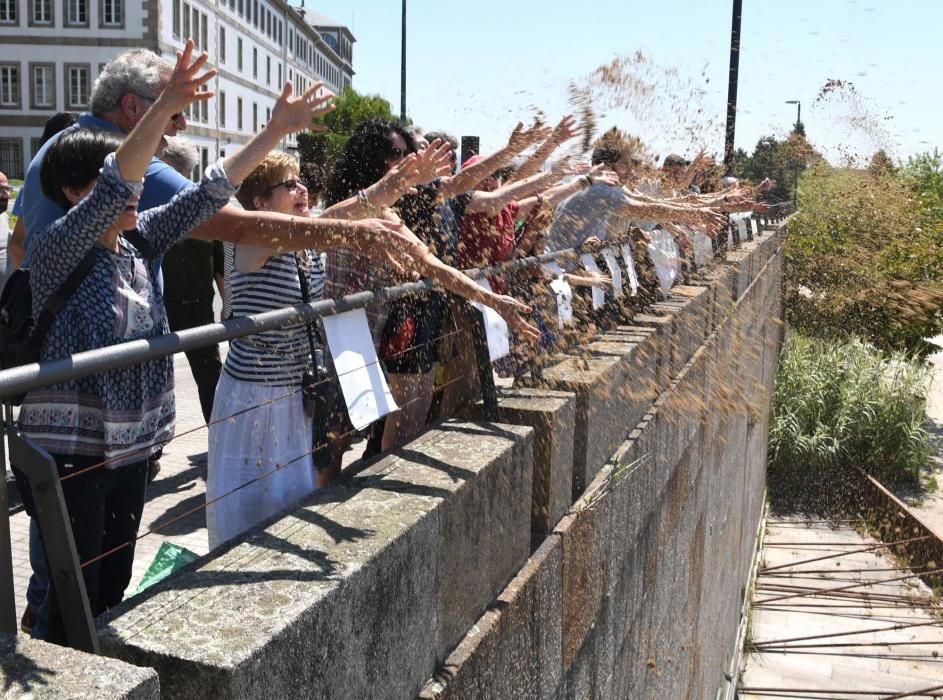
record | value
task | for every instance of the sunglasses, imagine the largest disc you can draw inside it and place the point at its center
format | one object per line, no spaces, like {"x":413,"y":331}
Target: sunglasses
{"x":173,"y":117}
{"x":291,"y":184}
{"x":396,"y":153}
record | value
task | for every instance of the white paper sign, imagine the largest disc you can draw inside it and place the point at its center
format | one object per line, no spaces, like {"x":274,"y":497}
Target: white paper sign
{"x":753,"y":225}
{"x":615,"y":272}
{"x":362,"y":382}
{"x":742,"y":229}
{"x":552,"y":270}
{"x":664,"y":253}
{"x":564,"y":295}
{"x":496,"y":328}
{"x":630,"y":267}
{"x":703,"y":250}
{"x":599,"y":297}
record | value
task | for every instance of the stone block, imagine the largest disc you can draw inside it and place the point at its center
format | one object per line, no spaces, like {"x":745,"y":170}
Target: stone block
{"x":608,"y":395}
{"x":739,"y":262}
{"x":552,"y":415}
{"x":585,"y":568}
{"x":515,"y":649}
{"x":663,"y":326}
{"x":389,"y":569}
{"x":30,"y":668}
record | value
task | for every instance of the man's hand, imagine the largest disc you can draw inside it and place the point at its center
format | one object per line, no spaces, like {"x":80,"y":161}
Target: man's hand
{"x":185,"y":84}
{"x":293,"y":114}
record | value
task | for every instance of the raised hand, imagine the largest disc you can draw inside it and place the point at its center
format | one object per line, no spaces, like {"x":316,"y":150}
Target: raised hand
{"x":293,"y":114}
{"x":434,"y":162}
{"x":601,"y":173}
{"x":186,"y":81}
{"x":521,"y":138}
{"x":565,"y":130}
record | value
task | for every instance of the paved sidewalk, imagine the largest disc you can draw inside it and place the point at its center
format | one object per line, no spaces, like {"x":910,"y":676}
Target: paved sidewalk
{"x":840,"y":627}
{"x":179,"y":489}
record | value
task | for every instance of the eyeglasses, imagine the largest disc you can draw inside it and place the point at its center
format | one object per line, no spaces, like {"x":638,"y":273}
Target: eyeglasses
{"x":173,"y":117}
{"x":291,"y":184}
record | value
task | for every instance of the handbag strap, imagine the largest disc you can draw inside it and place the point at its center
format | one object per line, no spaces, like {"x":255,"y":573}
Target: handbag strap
{"x":310,"y":328}
{"x":60,"y":297}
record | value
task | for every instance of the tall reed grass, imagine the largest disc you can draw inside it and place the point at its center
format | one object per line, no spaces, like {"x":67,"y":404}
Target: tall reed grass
{"x":840,"y":403}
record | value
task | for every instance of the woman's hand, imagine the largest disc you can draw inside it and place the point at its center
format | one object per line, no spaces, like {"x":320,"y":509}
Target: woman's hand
{"x":589,"y":279}
{"x":184,"y":86}
{"x":433,"y":162}
{"x":388,"y":242}
{"x":565,"y":130}
{"x":293,"y":114}
{"x":521,"y":138}
{"x":511,"y":310}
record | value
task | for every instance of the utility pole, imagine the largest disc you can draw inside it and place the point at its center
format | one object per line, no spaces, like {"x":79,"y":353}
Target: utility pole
{"x":402,"y":85}
{"x":732,"y":85}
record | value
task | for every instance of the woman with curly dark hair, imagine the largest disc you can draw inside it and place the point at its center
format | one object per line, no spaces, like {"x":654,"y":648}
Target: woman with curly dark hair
{"x":405,"y":331}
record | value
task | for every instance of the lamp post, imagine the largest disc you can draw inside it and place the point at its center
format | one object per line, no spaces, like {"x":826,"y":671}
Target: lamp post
{"x":402,"y":84}
{"x":732,"y":85}
{"x":798,"y":105}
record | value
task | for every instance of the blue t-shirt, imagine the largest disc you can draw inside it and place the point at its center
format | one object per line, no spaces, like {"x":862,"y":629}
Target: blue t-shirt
{"x":585,"y":214}
{"x":161,"y":183}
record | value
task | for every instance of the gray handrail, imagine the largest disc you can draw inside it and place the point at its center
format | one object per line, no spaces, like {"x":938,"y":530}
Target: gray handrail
{"x":18,"y":380}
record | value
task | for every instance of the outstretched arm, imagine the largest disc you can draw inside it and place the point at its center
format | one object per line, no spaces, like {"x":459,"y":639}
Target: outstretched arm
{"x":466,"y":180}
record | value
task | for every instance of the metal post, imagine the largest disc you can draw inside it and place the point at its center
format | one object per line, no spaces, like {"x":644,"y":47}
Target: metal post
{"x":489,"y":394}
{"x":402,"y":84}
{"x":7,"y":594}
{"x":732,"y":85}
{"x":65,"y":570}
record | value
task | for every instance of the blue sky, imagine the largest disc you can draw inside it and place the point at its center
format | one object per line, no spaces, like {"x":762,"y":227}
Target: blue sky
{"x":477,"y":67}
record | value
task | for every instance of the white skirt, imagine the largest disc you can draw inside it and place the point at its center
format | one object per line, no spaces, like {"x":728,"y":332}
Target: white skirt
{"x":259,"y":451}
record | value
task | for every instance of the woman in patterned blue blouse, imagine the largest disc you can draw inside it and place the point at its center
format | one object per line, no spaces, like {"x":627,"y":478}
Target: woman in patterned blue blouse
{"x":120,"y":416}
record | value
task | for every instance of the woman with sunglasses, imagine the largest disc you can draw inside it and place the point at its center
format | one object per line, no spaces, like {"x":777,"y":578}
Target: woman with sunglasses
{"x":260,"y":447}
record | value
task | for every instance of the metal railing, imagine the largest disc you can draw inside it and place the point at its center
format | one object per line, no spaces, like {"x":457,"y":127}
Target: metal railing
{"x":64,"y":566}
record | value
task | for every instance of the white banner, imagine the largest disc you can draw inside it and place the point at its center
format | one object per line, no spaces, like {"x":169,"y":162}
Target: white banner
{"x":630,"y":267}
{"x":614,"y":271}
{"x":496,"y":328}
{"x":355,"y":359}
{"x":599,"y":297}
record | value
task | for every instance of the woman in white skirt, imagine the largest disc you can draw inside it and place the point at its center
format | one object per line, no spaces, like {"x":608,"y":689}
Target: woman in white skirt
{"x":260,"y":459}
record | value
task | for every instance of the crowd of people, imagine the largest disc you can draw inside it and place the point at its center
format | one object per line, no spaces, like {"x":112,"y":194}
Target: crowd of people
{"x":109,"y":195}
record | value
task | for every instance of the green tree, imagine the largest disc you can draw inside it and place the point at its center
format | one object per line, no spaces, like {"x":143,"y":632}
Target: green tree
{"x":351,"y":108}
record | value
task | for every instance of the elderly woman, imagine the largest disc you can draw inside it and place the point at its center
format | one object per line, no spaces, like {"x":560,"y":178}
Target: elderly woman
{"x":268,"y":447}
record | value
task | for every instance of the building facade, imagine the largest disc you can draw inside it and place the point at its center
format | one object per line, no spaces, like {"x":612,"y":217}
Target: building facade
{"x":51,"y":52}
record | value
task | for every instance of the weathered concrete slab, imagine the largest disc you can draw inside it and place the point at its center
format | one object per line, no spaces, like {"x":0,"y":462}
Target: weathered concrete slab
{"x":30,"y":668}
{"x":515,"y":649}
{"x":552,"y":415}
{"x":389,"y":569}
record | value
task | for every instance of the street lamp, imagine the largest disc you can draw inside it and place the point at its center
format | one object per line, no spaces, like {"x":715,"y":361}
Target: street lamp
{"x":798,"y":105}
{"x":402,"y":85}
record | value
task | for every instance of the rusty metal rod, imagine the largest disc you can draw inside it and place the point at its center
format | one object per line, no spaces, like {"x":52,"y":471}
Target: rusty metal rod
{"x":893,"y":628}
{"x":869,"y":548}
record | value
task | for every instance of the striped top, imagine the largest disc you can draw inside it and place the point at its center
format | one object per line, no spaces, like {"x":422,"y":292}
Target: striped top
{"x":276,"y":357}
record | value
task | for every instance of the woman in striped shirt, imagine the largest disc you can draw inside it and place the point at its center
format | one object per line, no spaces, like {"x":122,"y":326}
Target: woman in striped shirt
{"x":260,"y":460}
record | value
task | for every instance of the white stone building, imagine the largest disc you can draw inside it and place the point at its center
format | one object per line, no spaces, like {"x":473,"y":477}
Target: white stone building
{"x":51,"y":52}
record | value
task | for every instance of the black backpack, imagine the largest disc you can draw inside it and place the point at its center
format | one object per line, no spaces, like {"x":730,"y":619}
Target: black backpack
{"x":20,"y":340}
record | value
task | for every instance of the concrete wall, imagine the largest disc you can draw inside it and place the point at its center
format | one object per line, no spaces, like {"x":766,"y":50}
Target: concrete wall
{"x":593,"y":543}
